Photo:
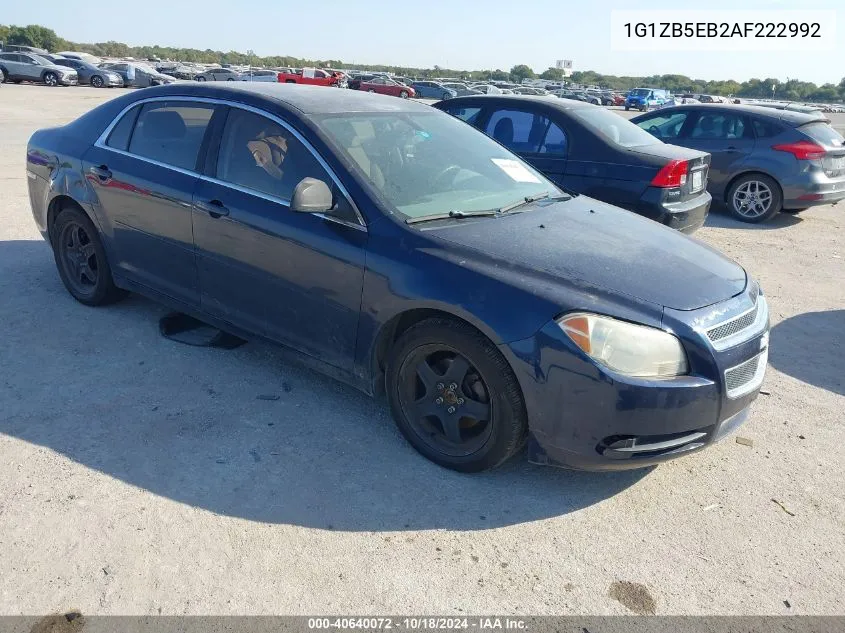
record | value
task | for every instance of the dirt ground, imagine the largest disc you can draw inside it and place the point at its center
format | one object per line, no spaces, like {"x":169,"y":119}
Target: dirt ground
{"x":138,"y":476}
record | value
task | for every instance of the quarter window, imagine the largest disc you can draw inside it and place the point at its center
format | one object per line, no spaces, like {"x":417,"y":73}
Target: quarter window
{"x":171,"y":132}
{"x":555,"y":141}
{"x":119,"y":137}
{"x":468,"y":115}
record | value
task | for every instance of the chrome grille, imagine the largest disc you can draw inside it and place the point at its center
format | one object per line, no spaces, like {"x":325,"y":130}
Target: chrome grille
{"x":732,"y":327}
{"x":747,"y":376}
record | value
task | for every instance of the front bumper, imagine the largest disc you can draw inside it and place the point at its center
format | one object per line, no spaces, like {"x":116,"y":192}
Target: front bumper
{"x":69,"y":81}
{"x":584,"y":416}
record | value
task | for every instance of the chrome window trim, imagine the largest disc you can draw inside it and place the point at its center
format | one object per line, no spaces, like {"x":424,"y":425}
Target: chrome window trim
{"x":101,"y":143}
{"x":757,"y":326}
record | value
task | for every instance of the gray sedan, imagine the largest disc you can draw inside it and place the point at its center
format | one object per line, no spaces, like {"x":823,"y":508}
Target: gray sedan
{"x":137,"y":75}
{"x":90,"y":74}
{"x":219,"y":74}
{"x":18,"y":67}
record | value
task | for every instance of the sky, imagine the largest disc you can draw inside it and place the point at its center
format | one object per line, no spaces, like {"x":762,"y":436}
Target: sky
{"x":468,"y":34}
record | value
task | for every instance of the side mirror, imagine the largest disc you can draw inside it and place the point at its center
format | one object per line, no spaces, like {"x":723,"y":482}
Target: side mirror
{"x":311,"y":196}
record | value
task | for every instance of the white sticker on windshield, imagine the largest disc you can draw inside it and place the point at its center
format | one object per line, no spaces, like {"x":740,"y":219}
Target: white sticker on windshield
{"x":515,"y":170}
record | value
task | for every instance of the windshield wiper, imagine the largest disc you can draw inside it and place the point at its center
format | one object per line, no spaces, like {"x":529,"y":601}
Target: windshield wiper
{"x":451,"y":214}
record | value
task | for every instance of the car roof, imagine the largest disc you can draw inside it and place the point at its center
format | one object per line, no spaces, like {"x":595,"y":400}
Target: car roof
{"x":306,"y":99}
{"x":558,"y":104}
{"x":787,"y":116}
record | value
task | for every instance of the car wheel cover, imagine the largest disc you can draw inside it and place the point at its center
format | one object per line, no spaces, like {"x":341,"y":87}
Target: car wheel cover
{"x":79,"y":259}
{"x":445,"y":400}
{"x":752,"y":199}
{"x":50,"y":79}
{"x":97,"y":81}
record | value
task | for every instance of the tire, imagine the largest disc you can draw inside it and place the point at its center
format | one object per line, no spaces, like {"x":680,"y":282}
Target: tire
{"x":370,"y":90}
{"x":230,"y":79}
{"x":51,"y":79}
{"x":81,"y":259}
{"x":289,"y":81}
{"x":447,"y":95}
{"x":627,"y":108}
{"x":4,"y":75}
{"x":762,"y":193}
{"x":464,"y":373}
{"x":97,"y":81}
{"x":199,"y":78}
{"x":403,"y":94}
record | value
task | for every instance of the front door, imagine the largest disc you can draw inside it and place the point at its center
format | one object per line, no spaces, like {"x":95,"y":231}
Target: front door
{"x":292,"y":277}
{"x":144,"y":178}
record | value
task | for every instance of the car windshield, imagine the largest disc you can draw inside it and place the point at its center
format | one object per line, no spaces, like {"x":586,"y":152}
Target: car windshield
{"x":640,"y":92}
{"x":146,"y":69}
{"x":613,"y":127}
{"x":41,"y":60}
{"x":429,"y":163}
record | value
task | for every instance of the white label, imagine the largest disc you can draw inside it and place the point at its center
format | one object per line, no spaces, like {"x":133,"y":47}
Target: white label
{"x":696,"y":180}
{"x":515,"y":170}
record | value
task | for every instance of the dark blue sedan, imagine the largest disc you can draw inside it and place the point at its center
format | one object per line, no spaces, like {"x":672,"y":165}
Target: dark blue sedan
{"x":404,"y":252}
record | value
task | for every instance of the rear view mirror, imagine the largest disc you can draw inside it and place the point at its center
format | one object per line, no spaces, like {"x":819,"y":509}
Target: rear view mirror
{"x":311,"y":196}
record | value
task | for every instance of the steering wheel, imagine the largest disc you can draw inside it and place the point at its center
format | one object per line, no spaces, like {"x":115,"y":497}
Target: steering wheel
{"x":453,"y":169}
{"x":655,"y":131}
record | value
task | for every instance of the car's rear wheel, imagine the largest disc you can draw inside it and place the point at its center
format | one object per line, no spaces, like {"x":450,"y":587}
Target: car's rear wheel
{"x":51,"y":79}
{"x":97,"y":81}
{"x":454,"y":397}
{"x":754,"y":198}
{"x":81,"y":259}
{"x":199,"y":78}
{"x":230,"y":79}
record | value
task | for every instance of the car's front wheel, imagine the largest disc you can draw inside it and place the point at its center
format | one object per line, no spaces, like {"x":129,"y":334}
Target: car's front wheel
{"x":404,"y":94}
{"x":81,"y":259}
{"x":97,"y":81}
{"x":754,"y":198}
{"x":51,"y":79}
{"x":454,"y":397}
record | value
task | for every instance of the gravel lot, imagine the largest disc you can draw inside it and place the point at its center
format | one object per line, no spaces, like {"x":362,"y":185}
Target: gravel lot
{"x":138,"y":476}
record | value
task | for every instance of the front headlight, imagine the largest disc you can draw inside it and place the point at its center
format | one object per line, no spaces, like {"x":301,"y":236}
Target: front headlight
{"x":634,"y":350}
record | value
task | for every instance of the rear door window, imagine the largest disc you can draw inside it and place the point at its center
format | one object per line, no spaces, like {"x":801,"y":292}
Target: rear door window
{"x":719,"y":126}
{"x":518,"y":130}
{"x":464,"y":113}
{"x":766,"y":129}
{"x":171,"y":132}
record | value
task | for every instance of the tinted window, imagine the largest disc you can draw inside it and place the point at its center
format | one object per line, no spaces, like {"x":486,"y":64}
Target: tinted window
{"x":665,"y":126}
{"x":766,"y":129}
{"x":8,"y":56}
{"x":718,"y":125}
{"x":464,"y":114}
{"x":171,"y":132}
{"x":119,"y":137}
{"x":260,"y":154}
{"x":823,"y":133}
{"x":612,"y":127}
{"x":555,"y":141}
{"x":518,"y":130}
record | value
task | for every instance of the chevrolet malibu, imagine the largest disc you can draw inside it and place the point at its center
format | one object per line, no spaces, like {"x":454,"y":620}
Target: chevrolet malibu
{"x":396,"y":248}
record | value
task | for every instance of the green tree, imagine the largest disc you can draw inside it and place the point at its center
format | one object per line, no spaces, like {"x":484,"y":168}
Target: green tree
{"x":552,"y":74}
{"x":4,"y":33}
{"x":499,"y":75}
{"x":520,"y":72}
{"x":35,"y":35}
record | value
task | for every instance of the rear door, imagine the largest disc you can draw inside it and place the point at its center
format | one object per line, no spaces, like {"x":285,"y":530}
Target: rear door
{"x":144,"y":173}
{"x":12,"y":63}
{"x":726,"y":135}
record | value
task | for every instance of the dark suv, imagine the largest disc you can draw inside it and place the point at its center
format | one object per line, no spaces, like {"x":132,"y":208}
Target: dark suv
{"x":762,"y":160}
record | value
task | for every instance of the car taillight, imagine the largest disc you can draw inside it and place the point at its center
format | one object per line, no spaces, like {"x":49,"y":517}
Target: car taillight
{"x":802,"y":150}
{"x":672,"y":174}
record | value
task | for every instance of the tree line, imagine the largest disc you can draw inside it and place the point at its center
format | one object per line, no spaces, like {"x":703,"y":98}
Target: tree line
{"x":792,"y":89}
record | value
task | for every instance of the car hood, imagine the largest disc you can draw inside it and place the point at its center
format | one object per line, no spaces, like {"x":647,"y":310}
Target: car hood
{"x":586,"y":242}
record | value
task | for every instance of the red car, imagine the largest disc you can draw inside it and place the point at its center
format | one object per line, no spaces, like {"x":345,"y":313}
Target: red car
{"x":385,"y":86}
{"x":314,"y":77}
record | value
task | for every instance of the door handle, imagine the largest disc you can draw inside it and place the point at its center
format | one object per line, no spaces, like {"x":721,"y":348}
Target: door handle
{"x":214,"y":208}
{"x":102,"y":172}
